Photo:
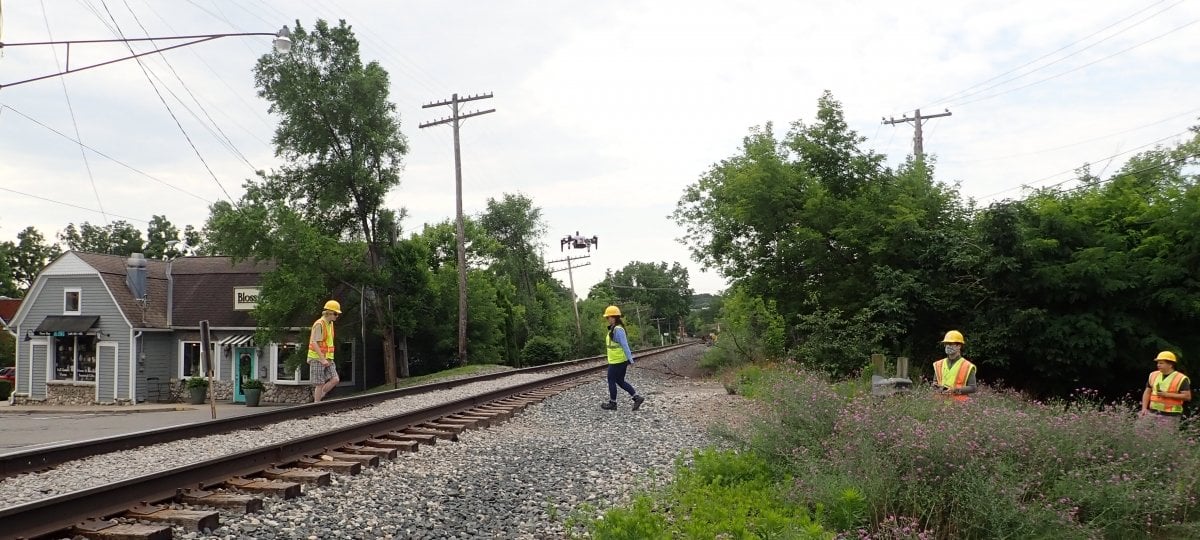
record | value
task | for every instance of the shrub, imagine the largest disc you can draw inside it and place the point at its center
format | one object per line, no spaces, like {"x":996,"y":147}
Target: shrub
{"x":197,"y":382}
{"x":541,"y":350}
{"x":252,"y":384}
{"x":722,"y":494}
{"x":5,"y":389}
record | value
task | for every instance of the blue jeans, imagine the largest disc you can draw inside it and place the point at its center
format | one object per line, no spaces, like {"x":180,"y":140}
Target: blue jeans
{"x":616,"y":377}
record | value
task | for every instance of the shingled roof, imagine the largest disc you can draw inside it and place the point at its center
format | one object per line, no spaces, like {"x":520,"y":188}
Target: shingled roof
{"x":204,"y":290}
{"x":112,"y":271}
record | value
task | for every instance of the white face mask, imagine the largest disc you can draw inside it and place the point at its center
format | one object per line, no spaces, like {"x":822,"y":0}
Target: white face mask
{"x":951,"y":350}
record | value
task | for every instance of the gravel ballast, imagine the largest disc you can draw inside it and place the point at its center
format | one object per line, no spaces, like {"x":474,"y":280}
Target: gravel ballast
{"x":525,"y":478}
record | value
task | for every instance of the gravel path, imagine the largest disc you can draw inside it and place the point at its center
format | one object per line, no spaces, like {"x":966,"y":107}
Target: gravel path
{"x":564,"y":458}
{"x":112,"y":467}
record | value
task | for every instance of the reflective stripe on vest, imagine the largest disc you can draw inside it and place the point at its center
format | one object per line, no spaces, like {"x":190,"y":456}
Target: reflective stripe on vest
{"x":326,"y":344}
{"x":1173,"y":382}
{"x":613,"y":350}
{"x":955,"y":377}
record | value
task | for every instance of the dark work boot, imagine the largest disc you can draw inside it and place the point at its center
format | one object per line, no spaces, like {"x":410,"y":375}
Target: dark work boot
{"x":637,"y":402}
{"x":609,"y":406}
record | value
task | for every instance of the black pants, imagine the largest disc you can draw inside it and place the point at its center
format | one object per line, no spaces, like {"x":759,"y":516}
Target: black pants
{"x":616,"y":377}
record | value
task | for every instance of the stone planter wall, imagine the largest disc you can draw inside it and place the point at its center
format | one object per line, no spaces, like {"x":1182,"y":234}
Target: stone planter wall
{"x":287,"y":393}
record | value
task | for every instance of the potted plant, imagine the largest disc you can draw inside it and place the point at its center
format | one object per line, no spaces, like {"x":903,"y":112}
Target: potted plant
{"x":252,"y":388}
{"x":197,"y":390}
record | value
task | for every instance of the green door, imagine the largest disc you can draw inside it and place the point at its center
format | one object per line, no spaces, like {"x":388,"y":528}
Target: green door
{"x":245,"y":365}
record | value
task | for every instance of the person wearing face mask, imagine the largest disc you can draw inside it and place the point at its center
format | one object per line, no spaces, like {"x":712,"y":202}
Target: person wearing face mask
{"x":954,"y":376}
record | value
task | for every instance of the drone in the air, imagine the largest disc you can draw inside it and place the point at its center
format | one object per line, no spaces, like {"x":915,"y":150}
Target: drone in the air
{"x":578,"y":241}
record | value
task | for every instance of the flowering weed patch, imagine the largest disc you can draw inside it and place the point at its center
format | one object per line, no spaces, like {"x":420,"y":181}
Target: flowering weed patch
{"x":997,"y":466}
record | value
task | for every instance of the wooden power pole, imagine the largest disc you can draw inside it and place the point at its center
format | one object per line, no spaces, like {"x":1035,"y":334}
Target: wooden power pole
{"x":454,"y":119}
{"x":571,"y":278}
{"x":917,"y":120}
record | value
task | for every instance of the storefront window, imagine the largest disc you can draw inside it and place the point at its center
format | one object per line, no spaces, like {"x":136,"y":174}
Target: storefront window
{"x":75,"y":358}
{"x":190,"y":361}
{"x":290,"y":363}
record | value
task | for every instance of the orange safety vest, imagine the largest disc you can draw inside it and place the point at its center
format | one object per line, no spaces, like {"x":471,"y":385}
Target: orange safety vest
{"x":1166,"y":404}
{"x":954,"y":377}
{"x":325,"y":345}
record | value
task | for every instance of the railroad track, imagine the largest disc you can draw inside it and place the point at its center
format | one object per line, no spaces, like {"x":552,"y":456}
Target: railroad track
{"x":239,"y":480}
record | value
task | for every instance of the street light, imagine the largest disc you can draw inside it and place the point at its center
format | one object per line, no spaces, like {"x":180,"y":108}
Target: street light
{"x":282,"y":43}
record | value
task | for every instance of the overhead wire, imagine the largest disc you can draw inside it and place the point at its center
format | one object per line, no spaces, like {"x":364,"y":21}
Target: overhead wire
{"x":102,"y":154}
{"x":967,"y":92}
{"x":223,"y":138}
{"x":76,"y":206}
{"x":178,"y":124}
{"x":74,"y":122}
{"x":1077,"y":68}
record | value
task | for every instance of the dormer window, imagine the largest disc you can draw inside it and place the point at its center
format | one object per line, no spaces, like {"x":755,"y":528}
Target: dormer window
{"x":71,"y":302}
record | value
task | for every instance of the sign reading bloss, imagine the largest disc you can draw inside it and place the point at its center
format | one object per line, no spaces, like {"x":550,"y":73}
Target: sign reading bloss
{"x":245,"y":298}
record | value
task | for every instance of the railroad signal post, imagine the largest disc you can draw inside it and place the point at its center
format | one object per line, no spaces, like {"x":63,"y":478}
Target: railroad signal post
{"x":206,"y":362}
{"x":454,"y":120}
{"x":571,"y":278}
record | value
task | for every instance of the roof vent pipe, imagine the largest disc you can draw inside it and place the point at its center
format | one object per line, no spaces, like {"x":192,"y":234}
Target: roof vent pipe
{"x":135,"y":275}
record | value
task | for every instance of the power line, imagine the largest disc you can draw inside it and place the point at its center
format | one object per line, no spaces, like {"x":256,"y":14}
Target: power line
{"x":967,"y":90}
{"x":75,"y":123}
{"x":1052,"y":77}
{"x":103,"y":155}
{"x":165,"y":104}
{"x":55,"y":201}
{"x":1026,"y":184}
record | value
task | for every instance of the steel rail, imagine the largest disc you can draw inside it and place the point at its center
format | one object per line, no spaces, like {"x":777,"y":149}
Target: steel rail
{"x":46,"y":457}
{"x":57,"y":513}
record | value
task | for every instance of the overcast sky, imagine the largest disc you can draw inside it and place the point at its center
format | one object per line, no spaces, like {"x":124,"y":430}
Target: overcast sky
{"x":606,"y":110}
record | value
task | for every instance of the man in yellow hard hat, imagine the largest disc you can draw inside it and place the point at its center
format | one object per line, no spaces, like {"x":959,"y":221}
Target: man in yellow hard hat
{"x":322,"y":371}
{"x":1166,"y":390}
{"x":954,"y":376}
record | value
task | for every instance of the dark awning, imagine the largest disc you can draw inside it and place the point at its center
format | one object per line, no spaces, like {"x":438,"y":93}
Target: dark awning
{"x":66,"y":325}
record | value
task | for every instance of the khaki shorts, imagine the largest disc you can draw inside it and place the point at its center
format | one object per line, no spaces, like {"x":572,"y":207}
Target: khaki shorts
{"x":320,"y":374}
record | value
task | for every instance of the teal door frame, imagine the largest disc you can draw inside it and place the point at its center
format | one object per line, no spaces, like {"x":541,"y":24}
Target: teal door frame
{"x":243,"y":371}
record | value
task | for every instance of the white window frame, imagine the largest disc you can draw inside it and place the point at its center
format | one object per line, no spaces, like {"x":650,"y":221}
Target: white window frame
{"x":78,"y":300}
{"x":295,"y":380}
{"x":52,"y":361}
{"x":212,"y":355}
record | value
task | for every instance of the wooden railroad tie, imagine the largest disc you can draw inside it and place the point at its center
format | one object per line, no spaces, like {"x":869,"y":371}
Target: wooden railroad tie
{"x":362,"y":459}
{"x":283,"y":490}
{"x":98,"y":529}
{"x":437,"y":433}
{"x":414,"y":437}
{"x":241,"y":502}
{"x":451,"y":427}
{"x":343,"y":467}
{"x":302,"y":476}
{"x":193,"y":519}
{"x":385,"y":453}
{"x":465,"y":423}
{"x":393,"y":444}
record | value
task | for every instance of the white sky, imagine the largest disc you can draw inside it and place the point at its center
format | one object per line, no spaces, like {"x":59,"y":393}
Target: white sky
{"x":606,"y":110}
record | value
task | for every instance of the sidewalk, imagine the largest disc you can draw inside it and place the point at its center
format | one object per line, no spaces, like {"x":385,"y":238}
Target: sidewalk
{"x":6,"y":408}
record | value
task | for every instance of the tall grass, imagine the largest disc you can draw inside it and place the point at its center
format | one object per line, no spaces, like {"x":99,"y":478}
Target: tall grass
{"x":997,"y":466}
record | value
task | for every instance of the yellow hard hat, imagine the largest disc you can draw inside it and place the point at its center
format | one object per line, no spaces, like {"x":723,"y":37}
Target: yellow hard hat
{"x":1166,"y":355}
{"x":612,"y":311}
{"x":333,"y":306}
{"x":954,"y":336}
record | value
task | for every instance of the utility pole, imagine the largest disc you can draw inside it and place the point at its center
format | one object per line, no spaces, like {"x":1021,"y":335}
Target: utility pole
{"x":917,"y":120}
{"x":571,"y":278}
{"x":454,"y":119}
{"x":662,"y":340}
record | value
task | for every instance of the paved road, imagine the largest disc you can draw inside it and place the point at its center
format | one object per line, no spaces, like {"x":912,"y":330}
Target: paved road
{"x":29,"y":431}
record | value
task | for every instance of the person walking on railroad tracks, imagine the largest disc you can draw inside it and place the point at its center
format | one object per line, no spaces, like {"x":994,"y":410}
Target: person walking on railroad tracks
{"x":616,"y":345}
{"x":1166,"y":390}
{"x":322,"y":372}
{"x":954,"y":376}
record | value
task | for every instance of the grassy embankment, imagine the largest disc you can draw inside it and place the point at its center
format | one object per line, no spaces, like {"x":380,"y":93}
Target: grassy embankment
{"x":829,"y":460}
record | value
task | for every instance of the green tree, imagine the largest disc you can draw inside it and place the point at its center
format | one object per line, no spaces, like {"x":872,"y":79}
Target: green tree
{"x":24,"y":259}
{"x":116,"y":238}
{"x":321,"y":218}
{"x":159,"y":233}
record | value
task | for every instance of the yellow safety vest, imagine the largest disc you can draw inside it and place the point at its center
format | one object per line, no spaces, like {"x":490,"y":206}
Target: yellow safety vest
{"x":326,"y":344}
{"x":1172,"y":384}
{"x":615,"y":353}
{"x":955,"y":377}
